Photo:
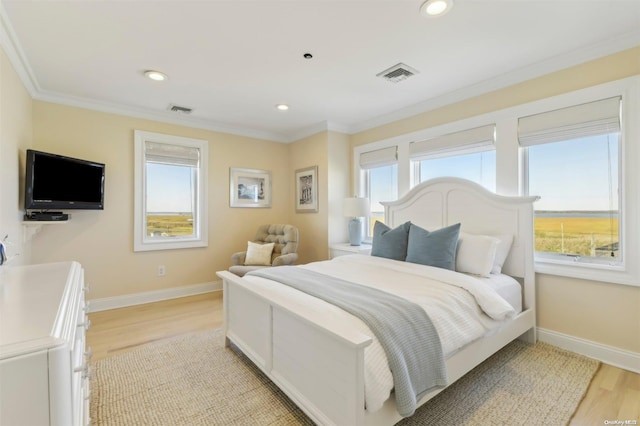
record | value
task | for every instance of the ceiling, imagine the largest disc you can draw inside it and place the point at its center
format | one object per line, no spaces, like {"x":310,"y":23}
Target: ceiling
{"x":233,"y":61}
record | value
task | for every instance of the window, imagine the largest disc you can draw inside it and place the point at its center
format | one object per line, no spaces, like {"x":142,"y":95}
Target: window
{"x":382,"y":185}
{"x":478,"y":167}
{"x":578,"y":151}
{"x":379,"y":171}
{"x":573,"y":163}
{"x":170,"y":192}
{"x":469,"y":154}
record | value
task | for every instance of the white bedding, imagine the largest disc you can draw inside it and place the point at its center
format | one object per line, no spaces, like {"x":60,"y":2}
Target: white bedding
{"x":507,"y":287}
{"x":452,"y":300}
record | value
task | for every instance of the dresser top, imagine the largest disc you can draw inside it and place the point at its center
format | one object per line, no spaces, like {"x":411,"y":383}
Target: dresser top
{"x":36,"y":303}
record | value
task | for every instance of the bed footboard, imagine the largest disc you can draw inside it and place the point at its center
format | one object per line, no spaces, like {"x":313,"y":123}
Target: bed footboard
{"x":320,"y":369}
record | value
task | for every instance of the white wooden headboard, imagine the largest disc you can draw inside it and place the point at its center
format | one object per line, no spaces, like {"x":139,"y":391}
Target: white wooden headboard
{"x":446,"y":201}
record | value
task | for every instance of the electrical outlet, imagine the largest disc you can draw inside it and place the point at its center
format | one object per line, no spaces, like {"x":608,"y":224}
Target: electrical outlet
{"x":161,"y":270}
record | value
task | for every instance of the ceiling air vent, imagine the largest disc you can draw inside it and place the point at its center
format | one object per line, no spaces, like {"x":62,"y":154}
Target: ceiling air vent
{"x":398,"y":73}
{"x":180,"y":109}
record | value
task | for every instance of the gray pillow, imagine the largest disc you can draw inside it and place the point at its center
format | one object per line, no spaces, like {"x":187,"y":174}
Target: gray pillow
{"x":390,"y":243}
{"x":435,"y":248}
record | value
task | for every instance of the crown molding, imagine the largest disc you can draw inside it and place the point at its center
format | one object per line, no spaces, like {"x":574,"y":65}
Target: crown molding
{"x":323,"y":126}
{"x":557,"y":63}
{"x":15,"y":54}
{"x":12,"y":48}
{"x":18,"y":59}
{"x":160,"y":116}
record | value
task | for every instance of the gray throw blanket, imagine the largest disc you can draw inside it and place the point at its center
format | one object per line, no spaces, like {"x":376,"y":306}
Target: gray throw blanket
{"x":404,"y":330}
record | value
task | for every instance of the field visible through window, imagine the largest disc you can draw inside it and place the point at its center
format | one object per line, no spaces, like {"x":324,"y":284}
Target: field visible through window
{"x":170,"y":225}
{"x":577,"y":235}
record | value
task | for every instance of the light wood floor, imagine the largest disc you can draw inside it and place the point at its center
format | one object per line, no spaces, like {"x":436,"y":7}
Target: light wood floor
{"x":614,"y":394}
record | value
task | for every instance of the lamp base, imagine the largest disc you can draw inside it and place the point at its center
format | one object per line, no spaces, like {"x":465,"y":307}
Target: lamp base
{"x":355,"y":231}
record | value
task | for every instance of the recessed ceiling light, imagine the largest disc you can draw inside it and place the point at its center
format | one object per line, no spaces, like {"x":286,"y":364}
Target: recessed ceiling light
{"x":282,"y":107}
{"x":155,"y":75}
{"x":436,"y":7}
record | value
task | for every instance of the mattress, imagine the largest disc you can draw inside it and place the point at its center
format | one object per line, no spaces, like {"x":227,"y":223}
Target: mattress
{"x":462,"y":308}
{"x":507,"y":287}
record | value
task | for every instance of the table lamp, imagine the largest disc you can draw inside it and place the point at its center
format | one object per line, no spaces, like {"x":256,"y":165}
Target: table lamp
{"x":355,"y":208}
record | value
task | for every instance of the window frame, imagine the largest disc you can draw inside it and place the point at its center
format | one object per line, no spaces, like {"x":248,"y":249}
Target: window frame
{"x":577,"y":260}
{"x":362,"y":180}
{"x":142,"y":242}
{"x":511,"y":180}
{"x":626,"y":272}
{"x":366,"y":191}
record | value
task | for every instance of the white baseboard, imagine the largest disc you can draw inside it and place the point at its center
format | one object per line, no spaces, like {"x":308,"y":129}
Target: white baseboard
{"x":115,"y":302}
{"x":608,"y":354}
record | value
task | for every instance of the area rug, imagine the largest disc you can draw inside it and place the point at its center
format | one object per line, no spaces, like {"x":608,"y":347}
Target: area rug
{"x":195,"y":380}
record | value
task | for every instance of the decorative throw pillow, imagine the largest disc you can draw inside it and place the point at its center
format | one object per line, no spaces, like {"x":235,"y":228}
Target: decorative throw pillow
{"x":435,"y":248}
{"x":502,"y":252}
{"x":390,"y":243}
{"x":476,"y":254}
{"x":258,"y":254}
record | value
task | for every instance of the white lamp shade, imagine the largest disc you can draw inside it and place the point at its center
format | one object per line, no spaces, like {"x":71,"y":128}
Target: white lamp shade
{"x":355,"y":207}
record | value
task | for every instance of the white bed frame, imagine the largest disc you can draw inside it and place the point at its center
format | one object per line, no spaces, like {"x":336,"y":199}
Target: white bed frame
{"x":321,"y":368}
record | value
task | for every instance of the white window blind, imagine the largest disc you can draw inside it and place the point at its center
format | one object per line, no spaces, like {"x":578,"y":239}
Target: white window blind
{"x":379,"y":158}
{"x":477,"y":139}
{"x":177,"y":155}
{"x":590,"y":119}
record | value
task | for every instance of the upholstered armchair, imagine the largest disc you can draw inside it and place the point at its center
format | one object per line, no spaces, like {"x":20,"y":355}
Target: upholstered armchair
{"x":259,"y":254}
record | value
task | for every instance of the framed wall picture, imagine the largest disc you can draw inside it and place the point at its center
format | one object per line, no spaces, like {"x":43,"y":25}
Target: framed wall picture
{"x":307,"y":190}
{"x":249,"y":188}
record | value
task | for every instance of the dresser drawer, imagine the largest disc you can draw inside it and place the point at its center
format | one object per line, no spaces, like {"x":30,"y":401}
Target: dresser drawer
{"x":43,"y":367}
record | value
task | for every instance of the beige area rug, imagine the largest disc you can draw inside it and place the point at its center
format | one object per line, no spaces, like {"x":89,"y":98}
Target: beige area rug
{"x":194,"y":380}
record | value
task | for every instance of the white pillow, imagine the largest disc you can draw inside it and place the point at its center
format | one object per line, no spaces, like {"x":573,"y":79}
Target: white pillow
{"x":476,"y":254}
{"x":258,"y":254}
{"x":504,"y":245}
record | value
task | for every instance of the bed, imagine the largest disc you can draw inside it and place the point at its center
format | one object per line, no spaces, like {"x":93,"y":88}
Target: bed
{"x":321,"y":360}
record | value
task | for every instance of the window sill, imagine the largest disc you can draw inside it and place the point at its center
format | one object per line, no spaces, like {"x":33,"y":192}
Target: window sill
{"x":169,"y":245}
{"x":587,"y":271}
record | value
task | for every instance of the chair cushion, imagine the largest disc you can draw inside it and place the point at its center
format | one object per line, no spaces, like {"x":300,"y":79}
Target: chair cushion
{"x":258,"y":254}
{"x":284,"y":237}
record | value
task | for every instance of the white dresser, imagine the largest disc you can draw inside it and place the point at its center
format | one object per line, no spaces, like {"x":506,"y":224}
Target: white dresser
{"x":43,"y":363}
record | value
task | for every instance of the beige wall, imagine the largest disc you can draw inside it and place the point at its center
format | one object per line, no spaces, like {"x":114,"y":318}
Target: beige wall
{"x":339,"y":156}
{"x":610,"y":68}
{"x":15,"y":138}
{"x":330,"y":151}
{"x":313,"y":227}
{"x":601,"y":312}
{"x":103,"y":240}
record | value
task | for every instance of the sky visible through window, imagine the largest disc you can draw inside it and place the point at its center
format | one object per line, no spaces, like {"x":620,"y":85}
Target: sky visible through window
{"x":383,"y":186}
{"x":169,"y":188}
{"x":568,"y":176}
{"x":574,"y":175}
{"x":479,"y":167}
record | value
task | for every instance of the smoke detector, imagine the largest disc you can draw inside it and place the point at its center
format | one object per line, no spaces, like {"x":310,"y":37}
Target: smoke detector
{"x":179,"y":109}
{"x":398,"y":73}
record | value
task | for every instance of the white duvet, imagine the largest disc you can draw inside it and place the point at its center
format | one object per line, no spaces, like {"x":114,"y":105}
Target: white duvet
{"x":461,"y":307}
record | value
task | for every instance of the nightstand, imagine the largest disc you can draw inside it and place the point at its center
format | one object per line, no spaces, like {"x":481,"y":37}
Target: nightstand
{"x":342,"y":249}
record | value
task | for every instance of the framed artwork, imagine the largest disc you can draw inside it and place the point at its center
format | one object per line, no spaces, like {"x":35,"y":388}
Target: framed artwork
{"x":249,"y":188}
{"x":307,"y":190}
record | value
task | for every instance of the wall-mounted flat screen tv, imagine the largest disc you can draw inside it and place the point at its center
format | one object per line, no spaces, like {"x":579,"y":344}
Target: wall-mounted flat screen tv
{"x":57,"y":182}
